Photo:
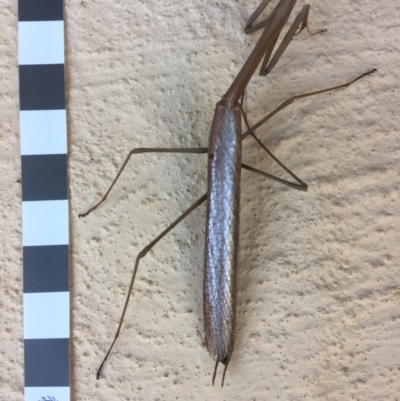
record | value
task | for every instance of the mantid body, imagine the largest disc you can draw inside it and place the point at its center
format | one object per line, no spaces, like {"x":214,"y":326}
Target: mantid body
{"x":223,"y":183}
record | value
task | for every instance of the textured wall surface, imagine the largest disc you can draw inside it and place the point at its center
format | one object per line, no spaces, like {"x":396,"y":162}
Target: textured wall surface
{"x":319,"y":314}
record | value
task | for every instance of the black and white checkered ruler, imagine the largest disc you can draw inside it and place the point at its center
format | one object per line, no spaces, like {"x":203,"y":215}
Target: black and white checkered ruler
{"x":45,"y":234}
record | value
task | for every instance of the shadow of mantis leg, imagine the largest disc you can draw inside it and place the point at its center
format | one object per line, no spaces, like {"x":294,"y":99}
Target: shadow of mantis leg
{"x":301,"y":186}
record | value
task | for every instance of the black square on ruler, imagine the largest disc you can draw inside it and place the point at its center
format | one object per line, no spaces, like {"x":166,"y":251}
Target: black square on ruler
{"x":46,"y":268}
{"x":47,"y":362}
{"x":44,"y":177}
{"x":40,"y":10}
{"x":41,"y":87}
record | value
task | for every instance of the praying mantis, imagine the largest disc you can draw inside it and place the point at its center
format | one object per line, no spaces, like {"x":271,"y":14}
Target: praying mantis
{"x":224,"y":153}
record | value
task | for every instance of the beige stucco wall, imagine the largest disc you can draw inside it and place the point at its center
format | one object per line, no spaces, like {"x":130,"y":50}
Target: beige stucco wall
{"x":318,"y":314}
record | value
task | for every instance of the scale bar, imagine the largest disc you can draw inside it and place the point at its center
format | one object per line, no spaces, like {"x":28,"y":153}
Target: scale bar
{"x":45,"y":228}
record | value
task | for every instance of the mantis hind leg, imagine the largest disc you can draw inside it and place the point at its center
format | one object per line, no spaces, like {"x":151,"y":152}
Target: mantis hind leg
{"x":141,"y":255}
{"x":251,"y":131}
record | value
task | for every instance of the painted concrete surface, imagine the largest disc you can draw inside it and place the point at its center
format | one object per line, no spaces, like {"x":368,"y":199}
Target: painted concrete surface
{"x":318,"y":314}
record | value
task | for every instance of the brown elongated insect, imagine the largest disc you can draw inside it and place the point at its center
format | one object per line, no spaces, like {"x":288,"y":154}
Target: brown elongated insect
{"x":223,"y":183}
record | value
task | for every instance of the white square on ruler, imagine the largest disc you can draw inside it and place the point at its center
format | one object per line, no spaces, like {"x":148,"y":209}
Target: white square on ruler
{"x":37,"y":393}
{"x":46,"y":315}
{"x":41,"y":42}
{"x":43,"y":132}
{"x":45,"y":223}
